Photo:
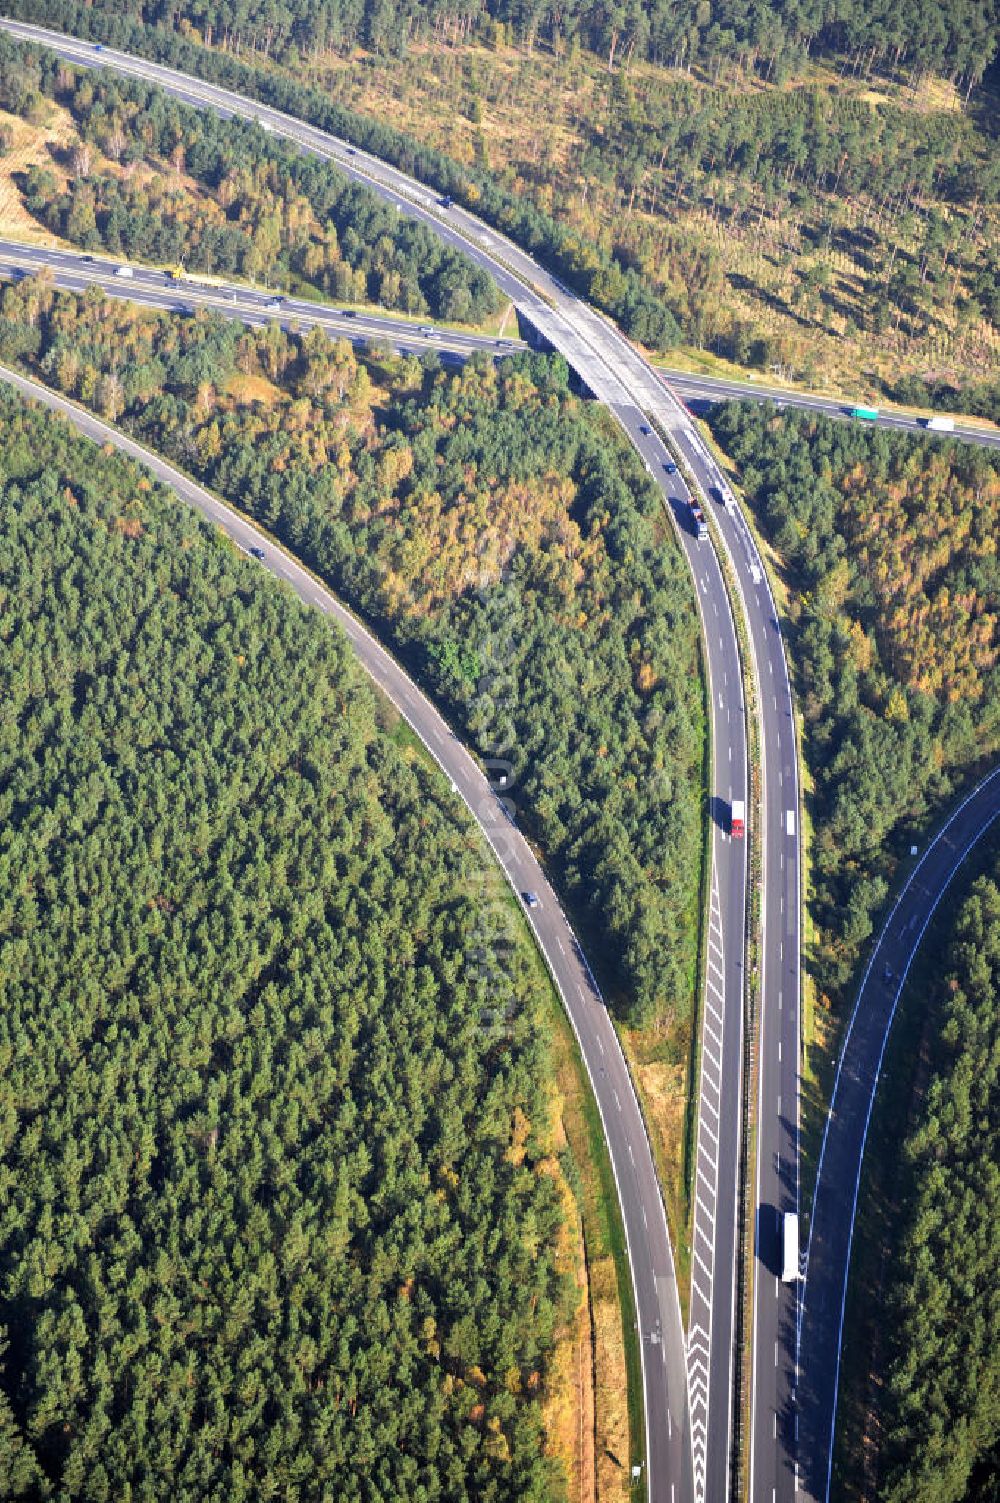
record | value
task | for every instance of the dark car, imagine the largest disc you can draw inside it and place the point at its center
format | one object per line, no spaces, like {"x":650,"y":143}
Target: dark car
{"x":645,"y":428}
{"x":446,"y":202}
{"x":531,"y":899}
{"x":349,"y":313}
{"x":256,"y":553}
{"x":670,"y":467}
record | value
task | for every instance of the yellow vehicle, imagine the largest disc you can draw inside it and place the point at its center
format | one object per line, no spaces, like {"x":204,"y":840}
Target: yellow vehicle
{"x":177,"y":274}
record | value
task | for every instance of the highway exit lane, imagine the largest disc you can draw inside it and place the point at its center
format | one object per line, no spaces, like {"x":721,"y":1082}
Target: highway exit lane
{"x":618,"y":375}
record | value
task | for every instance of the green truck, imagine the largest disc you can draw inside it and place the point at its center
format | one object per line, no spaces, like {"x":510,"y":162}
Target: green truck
{"x":869,"y":414}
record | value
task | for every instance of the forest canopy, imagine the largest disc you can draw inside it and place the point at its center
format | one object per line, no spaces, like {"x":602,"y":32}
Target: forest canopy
{"x":842,"y":231}
{"x":608,"y":280}
{"x":957,"y":39}
{"x":279,"y":1211}
{"x":499,"y":532}
{"x":941,"y":1414}
{"x":890,"y":544}
{"x":267,"y":210}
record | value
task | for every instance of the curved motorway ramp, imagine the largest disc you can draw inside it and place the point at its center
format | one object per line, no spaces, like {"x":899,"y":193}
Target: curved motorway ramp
{"x":824,"y":1291}
{"x":632,"y":1164}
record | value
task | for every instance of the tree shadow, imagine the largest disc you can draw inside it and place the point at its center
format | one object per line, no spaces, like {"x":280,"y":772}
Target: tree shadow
{"x":767,"y":1237}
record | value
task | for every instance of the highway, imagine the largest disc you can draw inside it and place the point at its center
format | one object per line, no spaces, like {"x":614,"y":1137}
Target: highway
{"x":641,"y":1206}
{"x":825,"y":1286}
{"x":75,"y":271}
{"x":645,"y":403}
{"x":824,"y":1293}
{"x":772,"y":1476}
{"x":786,"y":1427}
{"x":697,"y":389}
{"x":682,"y":1461}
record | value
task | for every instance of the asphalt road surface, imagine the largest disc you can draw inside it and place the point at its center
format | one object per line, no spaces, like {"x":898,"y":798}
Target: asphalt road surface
{"x":76,"y":271}
{"x":772,"y":1432}
{"x":773,"y":1449}
{"x":831,"y":1234}
{"x":696,"y":389}
{"x":775,"y":1426}
{"x":619,"y":376}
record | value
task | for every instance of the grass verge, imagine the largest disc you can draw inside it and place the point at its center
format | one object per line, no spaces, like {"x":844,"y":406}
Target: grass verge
{"x":619,"y":1428}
